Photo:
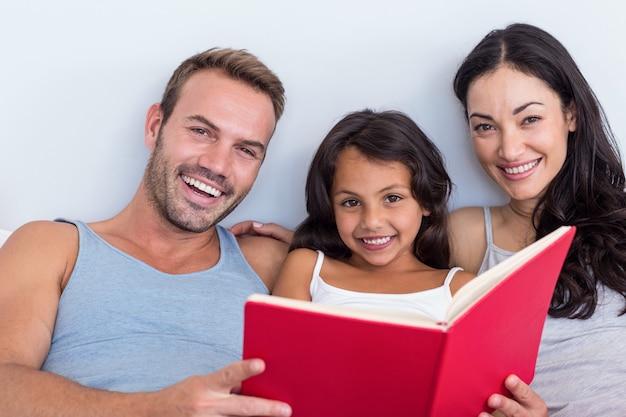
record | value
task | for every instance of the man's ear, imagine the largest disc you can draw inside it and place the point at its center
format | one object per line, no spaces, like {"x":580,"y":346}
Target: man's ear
{"x":154,"y":119}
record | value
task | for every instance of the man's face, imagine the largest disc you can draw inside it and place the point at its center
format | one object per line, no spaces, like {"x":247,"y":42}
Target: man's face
{"x":206,"y":157}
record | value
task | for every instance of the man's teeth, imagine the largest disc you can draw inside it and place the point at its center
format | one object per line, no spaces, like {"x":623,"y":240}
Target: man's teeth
{"x":202,"y":186}
{"x":377,"y":241}
{"x":521,"y":169}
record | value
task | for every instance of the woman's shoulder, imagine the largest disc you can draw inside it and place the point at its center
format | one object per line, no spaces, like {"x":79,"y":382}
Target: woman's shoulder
{"x":467,"y":214}
{"x":467,"y":237}
{"x":467,"y":222}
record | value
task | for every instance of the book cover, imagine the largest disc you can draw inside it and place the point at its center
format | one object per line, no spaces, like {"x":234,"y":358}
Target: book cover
{"x":338,"y":361}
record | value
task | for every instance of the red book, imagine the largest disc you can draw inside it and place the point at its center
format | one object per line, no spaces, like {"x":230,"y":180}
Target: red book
{"x":330,"y":361}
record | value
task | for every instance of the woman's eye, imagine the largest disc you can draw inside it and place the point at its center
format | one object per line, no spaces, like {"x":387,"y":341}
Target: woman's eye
{"x":483,"y":127}
{"x":532,"y":119}
{"x":393,"y":198}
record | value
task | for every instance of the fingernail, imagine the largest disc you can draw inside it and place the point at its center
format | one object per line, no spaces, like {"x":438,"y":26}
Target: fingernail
{"x":257,"y":224}
{"x":257,"y":365}
{"x":285,"y":410}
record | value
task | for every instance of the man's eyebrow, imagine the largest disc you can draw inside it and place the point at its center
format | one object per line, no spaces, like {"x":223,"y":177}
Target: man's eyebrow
{"x":203,"y":120}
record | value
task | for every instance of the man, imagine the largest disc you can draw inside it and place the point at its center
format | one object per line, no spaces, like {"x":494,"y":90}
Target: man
{"x":113,"y":318}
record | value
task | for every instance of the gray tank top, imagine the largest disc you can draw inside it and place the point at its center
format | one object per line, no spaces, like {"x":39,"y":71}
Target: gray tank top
{"x":493,"y":255}
{"x":581,"y":366}
{"x":125,"y":326}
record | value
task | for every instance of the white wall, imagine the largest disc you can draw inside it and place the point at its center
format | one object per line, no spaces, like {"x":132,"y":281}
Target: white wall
{"x":77,"y":76}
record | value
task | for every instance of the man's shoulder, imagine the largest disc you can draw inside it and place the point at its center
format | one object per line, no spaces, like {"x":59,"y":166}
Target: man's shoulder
{"x":252,"y":245}
{"x":42,"y":248}
{"x":44,"y":232}
{"x":265,"y":255}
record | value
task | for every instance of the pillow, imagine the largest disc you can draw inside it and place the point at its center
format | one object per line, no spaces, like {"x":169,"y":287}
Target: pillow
{"x":4,"y":235}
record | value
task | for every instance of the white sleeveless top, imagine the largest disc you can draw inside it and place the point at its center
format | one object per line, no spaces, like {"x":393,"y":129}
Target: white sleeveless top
{"x":432,"y":302}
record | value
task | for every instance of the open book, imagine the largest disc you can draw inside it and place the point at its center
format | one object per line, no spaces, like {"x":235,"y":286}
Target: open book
{"x":337,"y":361}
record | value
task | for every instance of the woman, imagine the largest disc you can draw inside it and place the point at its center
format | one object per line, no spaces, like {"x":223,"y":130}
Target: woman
{"x":540,"y":133}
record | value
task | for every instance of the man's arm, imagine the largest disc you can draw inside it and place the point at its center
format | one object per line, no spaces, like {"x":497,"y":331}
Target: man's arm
{"x":35,"y":265}
{"x":27,"y":392}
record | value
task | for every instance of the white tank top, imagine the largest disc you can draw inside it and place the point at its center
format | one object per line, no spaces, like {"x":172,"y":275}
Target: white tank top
{"x":432,"y":302}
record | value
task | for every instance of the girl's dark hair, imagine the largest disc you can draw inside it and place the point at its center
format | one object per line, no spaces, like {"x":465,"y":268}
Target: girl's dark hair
{"x":588,"y":192}
{"x":380,"y":136}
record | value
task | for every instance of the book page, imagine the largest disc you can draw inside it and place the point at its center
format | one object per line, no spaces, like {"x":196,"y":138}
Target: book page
{"x":397,"y":317}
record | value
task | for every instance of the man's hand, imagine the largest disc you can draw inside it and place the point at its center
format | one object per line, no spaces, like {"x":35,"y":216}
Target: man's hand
{"x":525,"y":402}
{"x":216,"y":395}
{"x":272,"y":230}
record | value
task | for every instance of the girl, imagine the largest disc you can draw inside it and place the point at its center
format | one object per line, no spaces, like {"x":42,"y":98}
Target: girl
{"x":376,"y":233}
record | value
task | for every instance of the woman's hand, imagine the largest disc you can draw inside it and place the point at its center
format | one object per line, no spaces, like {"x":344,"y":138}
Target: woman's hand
{"x":525,"y":402}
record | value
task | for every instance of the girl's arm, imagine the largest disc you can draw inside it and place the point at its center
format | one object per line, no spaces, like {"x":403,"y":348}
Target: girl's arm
{"x":460,"y":278}
{"x":294,"y":279}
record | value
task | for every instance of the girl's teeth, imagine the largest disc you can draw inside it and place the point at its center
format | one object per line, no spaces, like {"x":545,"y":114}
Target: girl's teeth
{"x":378,"y":241}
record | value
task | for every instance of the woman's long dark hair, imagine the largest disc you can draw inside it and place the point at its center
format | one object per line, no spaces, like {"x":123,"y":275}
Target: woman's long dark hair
{"x":588,"y":192}
{"x":380,"y":136}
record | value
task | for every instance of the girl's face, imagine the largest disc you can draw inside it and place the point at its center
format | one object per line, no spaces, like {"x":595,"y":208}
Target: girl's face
{"x":519,"y":131}
{"x":376,"y":214}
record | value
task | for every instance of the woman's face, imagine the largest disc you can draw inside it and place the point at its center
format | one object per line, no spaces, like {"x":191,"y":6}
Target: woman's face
{"x":519,"y":130}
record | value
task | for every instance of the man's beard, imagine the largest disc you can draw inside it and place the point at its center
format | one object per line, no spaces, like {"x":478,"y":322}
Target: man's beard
{"x":185,"y":215}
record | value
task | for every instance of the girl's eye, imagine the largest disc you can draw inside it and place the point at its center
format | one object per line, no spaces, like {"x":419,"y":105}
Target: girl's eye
{"x":393,"y":199}
{"x":350,"y":203}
